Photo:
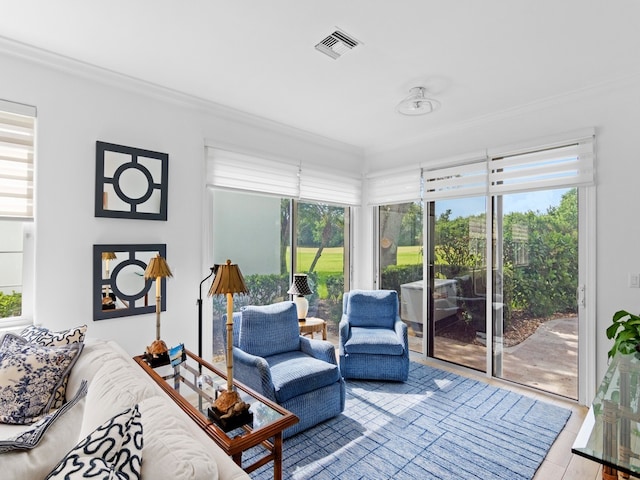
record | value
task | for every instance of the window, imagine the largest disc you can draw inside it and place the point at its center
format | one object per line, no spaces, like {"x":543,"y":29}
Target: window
{"x":275,"y":219}
{"x":17,"y":125}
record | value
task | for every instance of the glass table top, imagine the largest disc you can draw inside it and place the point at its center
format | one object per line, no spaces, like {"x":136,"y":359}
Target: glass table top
{"x":610,"y":433}
{"x":199,"y":385}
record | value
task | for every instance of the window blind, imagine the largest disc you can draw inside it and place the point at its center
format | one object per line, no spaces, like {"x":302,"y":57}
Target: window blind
{"x":238,"y":171}
{"x":17,"y":125}
{"x":320,"y":186}
{"x":391,"y":187}
{"x":458,"y":181}
{"x":554,"y":167}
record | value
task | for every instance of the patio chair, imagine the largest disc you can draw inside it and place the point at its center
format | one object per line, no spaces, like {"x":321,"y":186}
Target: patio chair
{"x":374,"y":344}
{"x":301,"y":374}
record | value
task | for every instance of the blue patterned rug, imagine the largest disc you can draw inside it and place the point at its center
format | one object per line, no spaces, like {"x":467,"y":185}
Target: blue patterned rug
{"x":438,"y":425}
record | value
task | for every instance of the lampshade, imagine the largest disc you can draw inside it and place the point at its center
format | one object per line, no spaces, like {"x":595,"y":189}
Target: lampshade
{"x":300,"y":285}
{"x":108,"y":256}
{"x":157,"y":267}
{"x":417,"y":103}
{"x":228,"y":279}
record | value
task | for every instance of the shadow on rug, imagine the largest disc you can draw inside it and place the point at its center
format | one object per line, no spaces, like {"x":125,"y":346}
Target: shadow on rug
{"x":438,"y":425}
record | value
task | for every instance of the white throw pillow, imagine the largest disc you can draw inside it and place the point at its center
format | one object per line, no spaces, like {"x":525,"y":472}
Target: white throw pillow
{"x":112,"y":451}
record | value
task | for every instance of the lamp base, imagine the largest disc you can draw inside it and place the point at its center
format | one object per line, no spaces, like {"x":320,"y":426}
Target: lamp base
{"x":229,"y":411}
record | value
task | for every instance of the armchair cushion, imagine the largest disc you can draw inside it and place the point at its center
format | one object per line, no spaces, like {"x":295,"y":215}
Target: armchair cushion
{"x":372,"y":308}
{"x":263,"y":334}
{"x":296,"y":373}
{"x":377,"y":341}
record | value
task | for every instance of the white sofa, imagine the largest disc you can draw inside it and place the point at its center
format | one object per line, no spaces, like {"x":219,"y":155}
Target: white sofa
{"x":174,"y":446}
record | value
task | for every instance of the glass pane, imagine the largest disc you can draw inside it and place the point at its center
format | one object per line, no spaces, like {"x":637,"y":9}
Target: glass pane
{"x":11,"y":261}
{"x":320,"y":253}
{"x":458,"y":254}
{"x":400,"y":254}
{"x":535,"y":282}
{"x":252,"y":231}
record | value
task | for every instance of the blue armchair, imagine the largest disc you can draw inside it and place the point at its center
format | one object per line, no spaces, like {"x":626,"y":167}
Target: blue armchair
{"x":298,"y":373}
{"x":374,"y":344}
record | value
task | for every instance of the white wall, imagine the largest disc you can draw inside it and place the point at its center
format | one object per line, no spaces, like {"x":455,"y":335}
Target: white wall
{"x":74,"y":111}
{"x":614,"y":110}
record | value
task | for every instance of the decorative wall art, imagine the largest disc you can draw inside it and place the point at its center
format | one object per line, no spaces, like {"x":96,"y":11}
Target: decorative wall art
{"x":119,"y":286}
{"x":130,"y":182}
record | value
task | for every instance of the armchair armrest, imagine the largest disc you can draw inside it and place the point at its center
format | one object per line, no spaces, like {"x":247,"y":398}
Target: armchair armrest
{"x":401,"y":330}
{"x":320,"y":349}
{"x":343,"y":328}
{"x":254,"y":372}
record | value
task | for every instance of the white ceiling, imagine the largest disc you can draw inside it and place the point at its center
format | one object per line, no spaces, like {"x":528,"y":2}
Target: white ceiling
{"x":477,"y":57}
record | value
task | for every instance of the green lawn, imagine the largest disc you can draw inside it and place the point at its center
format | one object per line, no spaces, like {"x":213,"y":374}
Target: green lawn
{"x":331,"y":259}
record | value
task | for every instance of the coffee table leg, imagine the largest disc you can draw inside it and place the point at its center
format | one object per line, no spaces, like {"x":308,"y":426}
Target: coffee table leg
{"x":277,"y":456}
{"x":238,"y":459}
{"x":324,"y":330}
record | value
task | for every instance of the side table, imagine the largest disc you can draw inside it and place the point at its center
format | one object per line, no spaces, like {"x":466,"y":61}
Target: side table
{"x":311,"y":325}
{"x":185,"y":385}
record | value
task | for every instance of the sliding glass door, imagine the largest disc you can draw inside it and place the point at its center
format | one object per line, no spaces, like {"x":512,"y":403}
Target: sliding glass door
{"x":535,"y":279}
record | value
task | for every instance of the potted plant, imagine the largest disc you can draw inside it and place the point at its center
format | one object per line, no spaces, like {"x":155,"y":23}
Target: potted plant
{"x":626,"y":332}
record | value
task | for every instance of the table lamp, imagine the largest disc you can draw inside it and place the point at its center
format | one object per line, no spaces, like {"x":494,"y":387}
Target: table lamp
{"x":300,"y":288}
{"x":157,"y":269}
{"x":227,"y":281}
{"x":107,"y":301}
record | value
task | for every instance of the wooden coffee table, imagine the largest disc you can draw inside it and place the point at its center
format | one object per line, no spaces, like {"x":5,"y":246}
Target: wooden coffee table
{"x":269,"y":418}
{"x":311,"y":325}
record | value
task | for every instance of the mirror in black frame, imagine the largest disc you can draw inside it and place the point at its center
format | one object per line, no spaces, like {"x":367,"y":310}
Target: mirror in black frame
{"x":119,"y":286}
{"x":130,"y":182}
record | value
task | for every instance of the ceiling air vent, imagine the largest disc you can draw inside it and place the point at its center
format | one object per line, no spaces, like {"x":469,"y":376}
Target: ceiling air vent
{"x":337,"y":44}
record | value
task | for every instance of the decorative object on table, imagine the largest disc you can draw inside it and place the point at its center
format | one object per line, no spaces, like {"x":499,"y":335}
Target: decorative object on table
{"x":200,"y":313}
{"x":417,"y":103}
{"x":228,"y":280}
{"x":300,"y":288}
{"x":125,"y":281}
{"x":626,"y":332}
{"x":130,"y":182}
{"x":158,"y":269}
{"x":177,"y":355}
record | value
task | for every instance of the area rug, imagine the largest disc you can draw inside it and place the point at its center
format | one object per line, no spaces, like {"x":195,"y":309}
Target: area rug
{"x":438,"y":425}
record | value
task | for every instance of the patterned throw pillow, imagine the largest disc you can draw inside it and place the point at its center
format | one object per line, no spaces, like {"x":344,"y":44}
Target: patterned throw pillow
{"x":112,"y":451}
{"x":29,"y":377}
{"x":45,"y":337}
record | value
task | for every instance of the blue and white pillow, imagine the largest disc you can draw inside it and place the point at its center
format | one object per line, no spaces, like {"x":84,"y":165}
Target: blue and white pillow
{"x":112,"y":451}
{"x":30,"y":376}
{"x":48,"y":338}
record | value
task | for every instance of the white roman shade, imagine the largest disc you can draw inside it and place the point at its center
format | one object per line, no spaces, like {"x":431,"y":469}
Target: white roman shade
{"x":320,"y":186}
{"x":468,"y":180}
{"x":17,"y":125}
{"x":392,"y":187}
{"x":236,"y":171}
{"x":568,"y":165}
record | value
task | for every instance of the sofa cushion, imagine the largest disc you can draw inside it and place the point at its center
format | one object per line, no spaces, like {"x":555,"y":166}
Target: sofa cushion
{"x":296,"y":373}
{"x":112,"y":451}
{"x":47,"y":338}
{"x":115,"y":386}
{"x":377,"y":341}
{"x":170,"y":451}
{"x":29,"y":377}
{"x":372,"y":308}
{"x":269,"y":329}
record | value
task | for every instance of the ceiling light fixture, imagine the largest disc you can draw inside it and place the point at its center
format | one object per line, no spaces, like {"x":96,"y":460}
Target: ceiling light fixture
{"x":417,"y":103}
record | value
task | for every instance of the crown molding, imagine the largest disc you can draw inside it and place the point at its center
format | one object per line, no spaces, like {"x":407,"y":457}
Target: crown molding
{"x":137,"y":86}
